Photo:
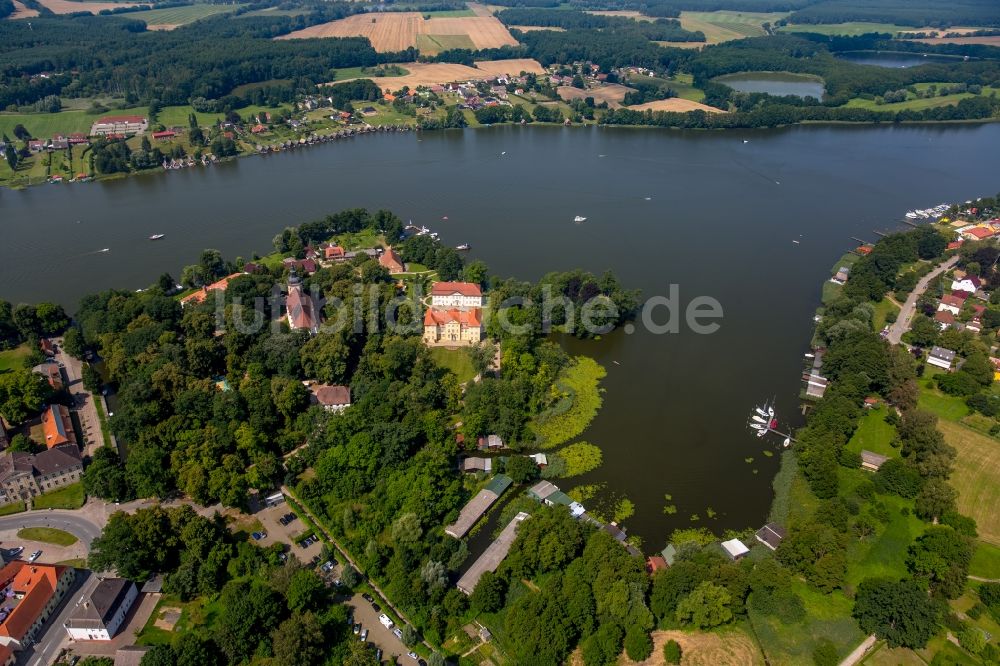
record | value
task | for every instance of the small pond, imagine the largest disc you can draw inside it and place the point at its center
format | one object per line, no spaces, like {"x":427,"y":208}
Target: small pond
{"x":774,"y":83}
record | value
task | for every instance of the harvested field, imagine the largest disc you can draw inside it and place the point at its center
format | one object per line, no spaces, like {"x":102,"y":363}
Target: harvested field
{"x":20,"y":12}
{"x":730,"y":647}
{"x":397,"y":31}
{"x":512,"y":66}
{"x":479,"y":9}
{"x":532,"y":28}
{"x":437,"y":73}
{"x":987,"y":41}
{"x":611,"y":93}
{"x":675,"y":104}
{"x":624,"y":13}
{"x":67,"y":7}
{"x":976,"y":477}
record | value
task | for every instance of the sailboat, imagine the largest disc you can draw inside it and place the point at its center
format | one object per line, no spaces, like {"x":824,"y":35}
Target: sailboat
{"x":156,"y":236}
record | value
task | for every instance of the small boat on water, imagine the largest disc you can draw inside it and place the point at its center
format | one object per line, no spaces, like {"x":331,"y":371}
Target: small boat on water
{"x":759,"y":419}
{"x":579,"y":218}
{"x":462,"y":247}
{"x":156,"y":236}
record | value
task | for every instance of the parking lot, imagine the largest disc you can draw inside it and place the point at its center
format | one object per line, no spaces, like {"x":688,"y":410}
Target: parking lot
{"x":393,"y":650}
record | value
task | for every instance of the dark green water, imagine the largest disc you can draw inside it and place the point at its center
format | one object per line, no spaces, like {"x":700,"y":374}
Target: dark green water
{"x":720,"y":222}
{"x":774,"y":83}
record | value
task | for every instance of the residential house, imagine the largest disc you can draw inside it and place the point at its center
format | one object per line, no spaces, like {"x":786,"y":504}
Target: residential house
{"x":99,"y":617}
{"x":78,"y":138}
{"x":669,"y":554}
{"x":37,"y":145}
{"x":872,"y":461}
{"x":333,"y":398}
{"x":951,"y":303}
{"x":452,"y":327}
{"x":655,"y":563}
{"x":771,"y":535}
{"x":165,"y":135}
{"x":969,"y":284}
{"x":302,"y":311}
{"x":52,"y":374}
{"x":307,"y":266}
{"x":944,"y":318}
{"x":456,"y":295}
{"x":735,"y":549}
{"x":978,"y":233}
{"x":59,"y":143}
{"x":541,"y":459}
{"x":33,"y":592}
{"x":58,"y":426}
{"x":333,"y":252}
{"x":477,"y":464}
{"x":941,"y":357}
{"x":119,"y":125}
{"x":842,"y":274}
{"x":490,"y":442}
{"x":392,"y":261}
{"x":47,"y":347}
{"x":954,"y":245}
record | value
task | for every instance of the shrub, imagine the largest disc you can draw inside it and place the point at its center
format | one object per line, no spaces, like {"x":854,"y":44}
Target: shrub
{"x":638,"y":644}
{"x":825,"y":653}
{"x":672,"y":652}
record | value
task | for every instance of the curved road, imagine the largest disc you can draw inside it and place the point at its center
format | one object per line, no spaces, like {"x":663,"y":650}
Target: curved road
{"x":79,"y":526}
{"x":902,"y":323}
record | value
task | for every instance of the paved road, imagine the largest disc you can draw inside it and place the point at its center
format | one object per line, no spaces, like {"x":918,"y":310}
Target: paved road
{"x":83,"y":400}
{"x":859,"y":652}
{"x":53,"y":635}
{"x":902,"y":323}
{"x":73,"y":522}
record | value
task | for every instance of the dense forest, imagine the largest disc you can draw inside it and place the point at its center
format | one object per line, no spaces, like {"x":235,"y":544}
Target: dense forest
{"x":659,"y":30}
{"x":917,"y":13}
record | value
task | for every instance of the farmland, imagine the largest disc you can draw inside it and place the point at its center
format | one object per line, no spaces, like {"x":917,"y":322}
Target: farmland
{"x":428,"y":74}
{"x":173,"y":17}
{"x":675,"y":104}
{"x":612,"y":93}
{"x":723,"y":26}
{"x":68,"y":7}
{"x":623,"y":13}
{"x":848,"y":29}
{"x":976,"y":477}
{"x":20,"y":11}
{"x":398,"y":31}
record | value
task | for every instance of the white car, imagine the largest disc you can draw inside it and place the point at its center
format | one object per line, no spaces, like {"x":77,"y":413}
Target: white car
{"x":35,"y":555}
{"x":386,"y":622}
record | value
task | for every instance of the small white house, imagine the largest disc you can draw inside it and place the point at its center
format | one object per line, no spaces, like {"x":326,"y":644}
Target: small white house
{"x":735,"y":549}
{"x":99,"y":617}
{"x":967,"y":284}
{"x":941,"y":357}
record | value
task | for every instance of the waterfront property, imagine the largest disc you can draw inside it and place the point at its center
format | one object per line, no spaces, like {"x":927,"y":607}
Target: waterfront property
{"x":124,"y":125}
{"x":200,"y":295}
{"x":492,"y":556}
{"x":392,"y":261}
{"x":771,"y":535}
{"x":734,"y":549}
{"x":102,"y":614}
{"x":32,"y":592}
{"x":477,"y":464}
{"x":449,"y":295}
{"x":478,"y":506}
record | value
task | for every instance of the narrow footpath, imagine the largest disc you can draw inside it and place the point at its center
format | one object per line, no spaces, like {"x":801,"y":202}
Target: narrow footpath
{"x":902,"y":323}
{"x":859,"y":652}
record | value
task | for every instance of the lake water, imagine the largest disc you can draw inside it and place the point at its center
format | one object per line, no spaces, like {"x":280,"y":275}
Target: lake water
{"x":774,"y":83}
{"x":720,"y":222}
{"x":890,"y":59}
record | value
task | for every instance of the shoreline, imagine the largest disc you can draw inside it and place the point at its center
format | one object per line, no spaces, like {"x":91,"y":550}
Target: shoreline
{"x":405,"y":129}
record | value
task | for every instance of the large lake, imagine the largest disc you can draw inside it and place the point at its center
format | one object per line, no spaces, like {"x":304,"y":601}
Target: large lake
{"x":720,"y":221}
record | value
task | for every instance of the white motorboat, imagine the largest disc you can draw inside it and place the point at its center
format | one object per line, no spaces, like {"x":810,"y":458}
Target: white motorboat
{"x":156,"y":236}
{"x":579,"y":218}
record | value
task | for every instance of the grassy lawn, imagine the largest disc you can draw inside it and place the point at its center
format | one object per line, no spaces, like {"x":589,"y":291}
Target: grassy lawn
{"x":976,"y":477}
{"x":45,"y":125}
{"x":434,"y":44}
{"x":883,"y":655}
{"x":70,"y":497}
{"x":193,"y":613}
{"x":13,"y":359}
{"x":831,"y":292}
{"x":947,"y":407}
{"x":181,"y":15}
{"x":885,"y":554}
{"x":345,"y":73}
{"x":76,"y":563}
{"x":681,"y":84}
{"x":851,"y":29}
{"x":883,"y":308}
{"x":986,"y":561}
{"x":874,"y":434}
{"x":47,"y":535}
{"x":13,"y":507}
{"x":448,"y":13}
{"x":848,"y":260}
{"x":456,"y":360}
{"x":723,"y":26}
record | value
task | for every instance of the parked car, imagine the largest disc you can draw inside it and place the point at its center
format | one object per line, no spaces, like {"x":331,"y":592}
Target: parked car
{"x":15,"y":552}
{"x":357,"y":628}
{"x":367,"y":597}
{"x":378,"y":654}
{"x":364,"y":635}
{"x":385,"y":621}
{"x":376,"y":608}
{"x":327,"y":566}
{"x":398,"y":633}
{"x":257,"y":536}
{"x":412,"y":655}
{"x":35,"y":555}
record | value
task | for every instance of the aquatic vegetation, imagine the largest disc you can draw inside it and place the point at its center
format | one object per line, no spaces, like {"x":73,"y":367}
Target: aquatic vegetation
{"x":576,"y":408}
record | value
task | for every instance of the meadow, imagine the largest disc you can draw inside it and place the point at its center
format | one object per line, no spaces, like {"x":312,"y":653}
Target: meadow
{"x":172,"y":17}
{"x":976,"y":477}
{"x":723,"y":26}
